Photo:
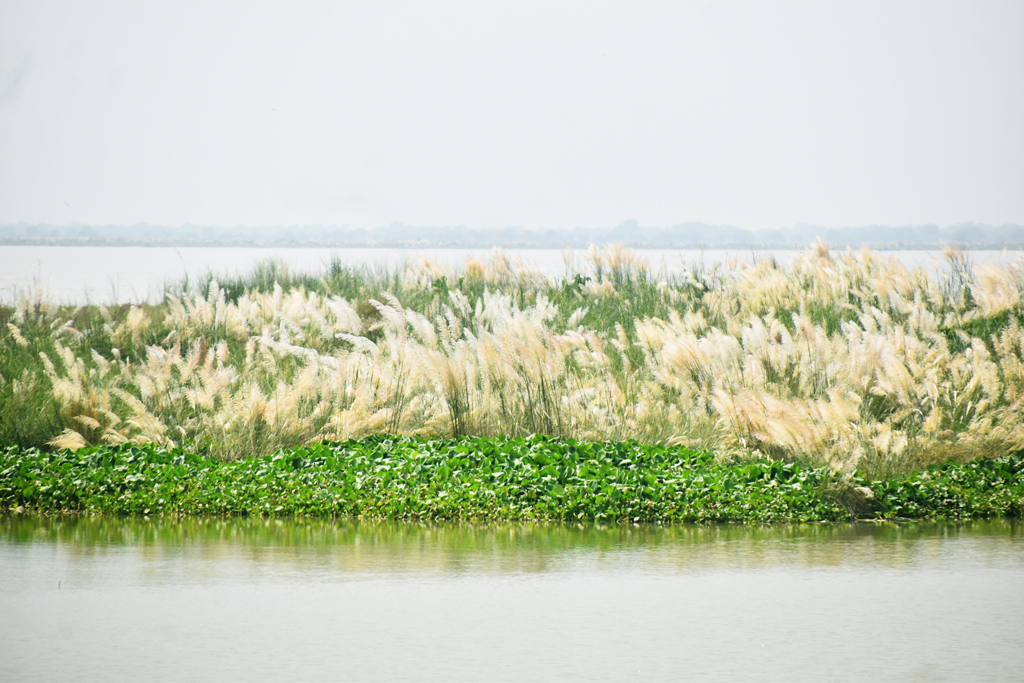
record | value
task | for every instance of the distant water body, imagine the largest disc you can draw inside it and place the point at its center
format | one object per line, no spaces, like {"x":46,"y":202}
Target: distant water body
{"x":137,"y":274}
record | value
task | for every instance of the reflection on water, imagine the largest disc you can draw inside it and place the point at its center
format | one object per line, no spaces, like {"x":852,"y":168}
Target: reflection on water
{"x":115,"y":598}
{"x":337,"y":548}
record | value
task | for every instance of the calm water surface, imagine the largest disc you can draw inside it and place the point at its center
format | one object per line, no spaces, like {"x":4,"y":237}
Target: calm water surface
{"x":136,"y":274}
{"x":117,"y":599}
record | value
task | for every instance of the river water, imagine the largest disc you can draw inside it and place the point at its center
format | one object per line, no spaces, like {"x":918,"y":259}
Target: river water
{"x":136,"y":274}
{"x":162,"y":599}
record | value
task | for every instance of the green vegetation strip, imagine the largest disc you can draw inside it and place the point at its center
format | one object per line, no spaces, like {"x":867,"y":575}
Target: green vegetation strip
{"x":537,"y":477}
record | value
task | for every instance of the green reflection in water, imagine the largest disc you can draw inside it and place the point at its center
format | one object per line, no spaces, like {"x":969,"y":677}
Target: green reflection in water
{"x":362,"y":546}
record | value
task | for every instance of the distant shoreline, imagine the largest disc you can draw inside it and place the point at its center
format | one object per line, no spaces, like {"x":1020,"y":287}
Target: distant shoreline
{"x":477,"y":244}
{"x":630,"y":233}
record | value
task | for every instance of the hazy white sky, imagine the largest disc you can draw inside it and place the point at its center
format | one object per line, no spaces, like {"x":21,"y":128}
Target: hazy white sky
{"x":759,"y":114}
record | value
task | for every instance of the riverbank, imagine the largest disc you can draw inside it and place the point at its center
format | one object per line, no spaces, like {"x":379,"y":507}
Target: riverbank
{"x":470,"y":478}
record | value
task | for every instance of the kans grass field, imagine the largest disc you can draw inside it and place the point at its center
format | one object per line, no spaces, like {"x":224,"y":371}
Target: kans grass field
{"x":840,"y":385}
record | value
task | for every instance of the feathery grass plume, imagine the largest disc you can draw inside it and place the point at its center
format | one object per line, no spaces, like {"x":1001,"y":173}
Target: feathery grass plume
{"x":848,"y":359}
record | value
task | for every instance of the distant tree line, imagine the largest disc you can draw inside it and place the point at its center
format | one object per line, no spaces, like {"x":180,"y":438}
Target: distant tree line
{"x":682,"y":235}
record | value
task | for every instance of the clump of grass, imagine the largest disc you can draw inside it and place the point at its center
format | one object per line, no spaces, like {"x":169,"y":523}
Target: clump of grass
{"x":849,"y":360}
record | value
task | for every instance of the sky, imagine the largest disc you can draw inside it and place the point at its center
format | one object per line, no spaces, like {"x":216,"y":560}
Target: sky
{"x":532,"y":114}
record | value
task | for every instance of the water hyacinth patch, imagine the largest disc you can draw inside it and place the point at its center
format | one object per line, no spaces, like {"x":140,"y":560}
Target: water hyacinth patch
{"x":466,"y":478}
{"x":981,"y":488}
{"x":410,"y":478}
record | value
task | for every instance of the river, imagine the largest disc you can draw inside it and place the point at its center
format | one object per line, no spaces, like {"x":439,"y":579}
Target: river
{"x":211,"y":599}
{"x":137,"y":274}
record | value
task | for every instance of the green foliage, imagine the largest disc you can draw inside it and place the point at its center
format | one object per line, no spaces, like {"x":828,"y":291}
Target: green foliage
{"x":409,"y":478}
{"x":541,"y":478}
{"x":986,"y":329}
{"x":29,"y":415}
{"x":986,"y":487}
